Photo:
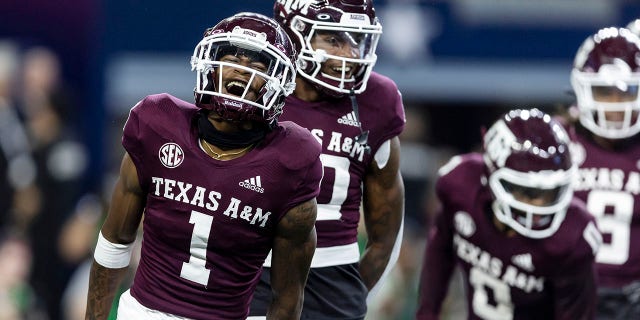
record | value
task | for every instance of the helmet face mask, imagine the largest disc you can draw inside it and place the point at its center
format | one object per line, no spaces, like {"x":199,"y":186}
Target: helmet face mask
{"x":606,"y":79}
{"x":634,"y":26}
{"x":535,"y":210}
{"x":529,"y":172}
{"x":244,"y":69}
{"x":351,"y":21}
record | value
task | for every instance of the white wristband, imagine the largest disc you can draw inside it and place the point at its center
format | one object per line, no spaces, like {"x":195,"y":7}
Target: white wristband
{"x":112,"y":255}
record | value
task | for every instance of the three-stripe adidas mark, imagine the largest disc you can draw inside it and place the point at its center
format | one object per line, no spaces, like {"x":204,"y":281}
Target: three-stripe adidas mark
{"x":252,"y":184}
{"x":349,"y":119}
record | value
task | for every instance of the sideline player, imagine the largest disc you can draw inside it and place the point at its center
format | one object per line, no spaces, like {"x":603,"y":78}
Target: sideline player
{"x":604,"y":126}
{"x":525,"y":246}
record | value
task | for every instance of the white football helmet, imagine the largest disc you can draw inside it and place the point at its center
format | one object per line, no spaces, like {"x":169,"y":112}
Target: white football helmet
{"x":608,"y":63}
{"x":352,"y":21}
{"x":530,"y":171}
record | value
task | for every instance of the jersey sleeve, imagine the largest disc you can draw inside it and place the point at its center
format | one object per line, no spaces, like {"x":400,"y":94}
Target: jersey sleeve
{"x":397,"y":119}
{"x":390,"y":110}
{"x":132,"y":140}
{"x":576,"y":293}
{"x":439,"y":260}
{"x":575,"y":284}
{"x":309,"y":185}
{"x":310,"y":169}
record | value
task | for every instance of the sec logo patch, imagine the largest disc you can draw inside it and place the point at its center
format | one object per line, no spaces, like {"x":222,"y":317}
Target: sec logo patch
{"x":171,"y":155}
{"x":464,"y":224}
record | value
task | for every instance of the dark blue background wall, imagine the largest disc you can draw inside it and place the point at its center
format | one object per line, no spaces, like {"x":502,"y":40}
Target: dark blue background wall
{"x":86,"y":33}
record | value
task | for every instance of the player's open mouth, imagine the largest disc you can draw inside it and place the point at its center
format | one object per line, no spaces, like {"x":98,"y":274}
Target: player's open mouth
{"x":236,"y":88}
{"x":339,"y":69}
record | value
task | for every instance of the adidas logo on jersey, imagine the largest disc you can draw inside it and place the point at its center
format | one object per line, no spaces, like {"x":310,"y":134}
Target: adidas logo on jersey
{"x":252,"y":184}
{"x":349,"y":119}
{"x":523,"y":261}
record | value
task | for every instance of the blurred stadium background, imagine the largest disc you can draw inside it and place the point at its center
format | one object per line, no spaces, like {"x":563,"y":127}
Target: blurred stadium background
{"x":458,"y":63}
{"x":449,"y":57}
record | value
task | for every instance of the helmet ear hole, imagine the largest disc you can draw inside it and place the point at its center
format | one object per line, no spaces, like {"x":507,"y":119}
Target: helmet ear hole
{"x":299,"y":26}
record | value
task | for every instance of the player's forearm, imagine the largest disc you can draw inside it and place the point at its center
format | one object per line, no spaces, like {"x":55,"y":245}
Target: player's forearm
{"x":286,"y":308}
{"x":383,"y":215}
{"x":103,"y":284}
{"x":289,"y":274}
{"x":373,"y":263}
{"x":383,"y":226}
{"x":290,"y":267}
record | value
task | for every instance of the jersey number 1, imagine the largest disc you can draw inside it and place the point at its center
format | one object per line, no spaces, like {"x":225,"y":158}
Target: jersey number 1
{"x":195,"y":270}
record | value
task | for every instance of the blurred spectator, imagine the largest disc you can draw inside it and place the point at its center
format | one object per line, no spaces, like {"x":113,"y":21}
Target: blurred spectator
{"x":76,"y":242}
{"x":419,"y":166}
{"x":74,"y":299}
{"x":17,"y":170}
{"x":17,"y":299}
{"x":85,"y":224}
{"x":79,"y":232}
{"x":60,"y":161}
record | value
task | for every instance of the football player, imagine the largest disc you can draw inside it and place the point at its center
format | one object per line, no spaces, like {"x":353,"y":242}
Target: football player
{"x":604,"y":126}
{"x":508,"y":219}
{"x":220,"y":183}
{"x":356,"y":115}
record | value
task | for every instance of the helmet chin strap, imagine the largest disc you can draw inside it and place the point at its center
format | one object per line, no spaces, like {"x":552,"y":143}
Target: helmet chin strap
{"x":364,"y":135}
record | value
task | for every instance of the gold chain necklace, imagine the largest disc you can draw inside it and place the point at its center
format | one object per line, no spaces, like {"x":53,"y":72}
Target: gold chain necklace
{"x":217,"y":155}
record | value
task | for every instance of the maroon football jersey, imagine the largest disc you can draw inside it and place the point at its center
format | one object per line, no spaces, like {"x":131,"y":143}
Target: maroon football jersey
{"x":609,"y":183}
{"x":209,"y":224}
{"x":334,"y":125}
{"x":506,"y":277}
